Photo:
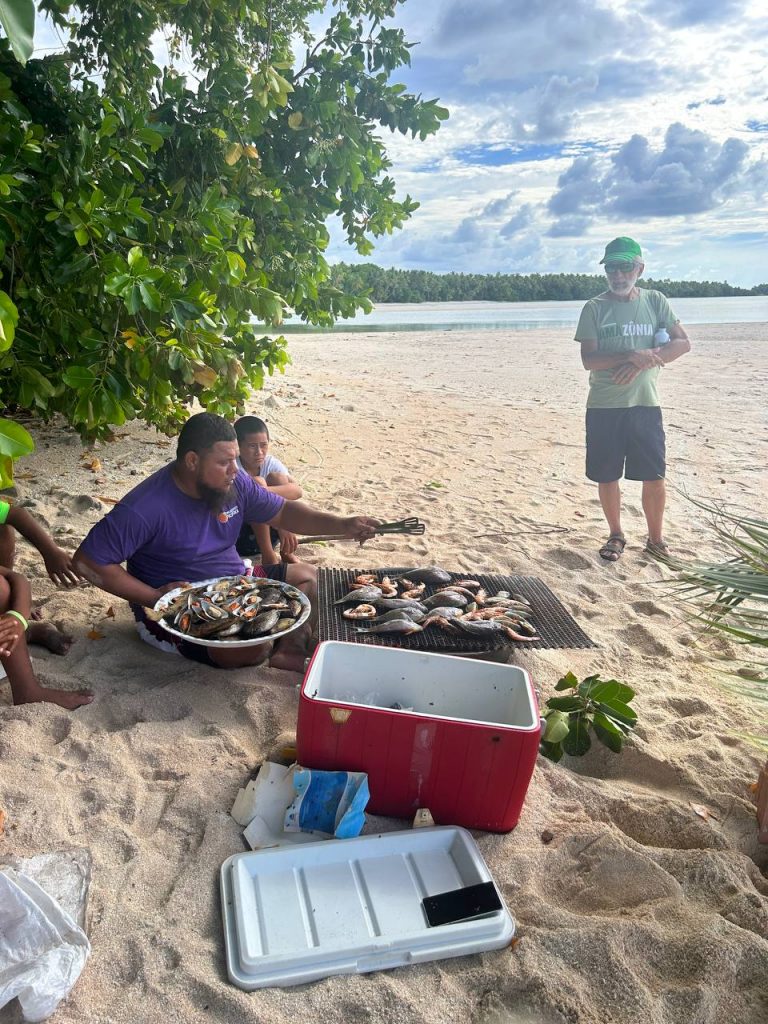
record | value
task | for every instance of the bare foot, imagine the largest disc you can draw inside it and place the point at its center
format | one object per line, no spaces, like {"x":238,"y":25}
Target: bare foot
{"x":69,"y":699}
{"x":35,"y":615}
{"x":47,"y":635}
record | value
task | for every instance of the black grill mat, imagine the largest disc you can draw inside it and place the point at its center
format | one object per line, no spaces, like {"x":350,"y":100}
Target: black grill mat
{"x":554,"y":625}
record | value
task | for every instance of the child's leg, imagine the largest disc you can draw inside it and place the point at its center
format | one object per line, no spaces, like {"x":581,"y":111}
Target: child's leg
{"x":25,"y":688}
{"x":7,"y":546}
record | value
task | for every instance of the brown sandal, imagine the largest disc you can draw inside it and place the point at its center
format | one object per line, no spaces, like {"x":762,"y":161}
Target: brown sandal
{"x":658,"y":549}
{"x":613,"y":548}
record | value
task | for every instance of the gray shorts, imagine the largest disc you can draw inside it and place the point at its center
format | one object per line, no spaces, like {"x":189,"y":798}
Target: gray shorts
{"x":627,"y":443}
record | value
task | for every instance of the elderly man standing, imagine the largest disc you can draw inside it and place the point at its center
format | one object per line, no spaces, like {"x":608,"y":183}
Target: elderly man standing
{"x":627,"y":334}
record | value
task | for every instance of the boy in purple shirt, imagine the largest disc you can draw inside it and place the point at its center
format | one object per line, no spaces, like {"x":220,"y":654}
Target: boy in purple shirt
{"x":182,"y":524}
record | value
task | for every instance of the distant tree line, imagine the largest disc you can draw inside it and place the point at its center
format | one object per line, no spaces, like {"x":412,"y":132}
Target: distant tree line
{"x":423,"y":286}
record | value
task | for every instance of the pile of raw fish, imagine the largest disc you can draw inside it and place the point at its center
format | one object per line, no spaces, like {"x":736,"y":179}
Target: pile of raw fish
{"x":232,"y":608}
{"x":397,"y":606}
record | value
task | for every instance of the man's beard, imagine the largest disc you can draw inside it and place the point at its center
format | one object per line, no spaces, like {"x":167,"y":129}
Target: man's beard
{"x":214,"y":498}
{"x":624,"y":289}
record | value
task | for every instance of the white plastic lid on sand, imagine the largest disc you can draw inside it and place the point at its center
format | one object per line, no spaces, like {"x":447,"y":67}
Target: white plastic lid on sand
{"x":351,"y":906}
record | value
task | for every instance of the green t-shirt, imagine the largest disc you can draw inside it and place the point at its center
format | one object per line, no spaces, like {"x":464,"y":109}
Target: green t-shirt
{"x":624,"y":327}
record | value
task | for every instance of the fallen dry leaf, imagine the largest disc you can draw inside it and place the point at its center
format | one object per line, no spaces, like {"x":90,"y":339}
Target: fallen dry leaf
{"x":109,"y":501}
{"x":95,"y":634}
{"x":2,"y":821}
{"x":110,"y":613}
{"x":94,"y":465}
{"x":514,"y":942}
{"x":703,"y":812}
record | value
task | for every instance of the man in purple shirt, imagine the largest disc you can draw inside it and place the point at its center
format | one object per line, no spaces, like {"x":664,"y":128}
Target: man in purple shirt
{"x":182,"y":524}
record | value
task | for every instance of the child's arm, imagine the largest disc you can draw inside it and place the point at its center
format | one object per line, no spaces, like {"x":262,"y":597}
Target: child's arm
{"x":264,"y":539}
{"x":58,"y":562}
{"x":284,"y":485}
{"x":11,"y":628}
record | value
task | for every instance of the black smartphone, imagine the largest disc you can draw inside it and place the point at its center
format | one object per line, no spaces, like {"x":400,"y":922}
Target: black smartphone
{"x":461,"y":904}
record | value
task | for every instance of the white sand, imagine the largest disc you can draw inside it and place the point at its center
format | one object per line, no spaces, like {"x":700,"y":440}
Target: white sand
{"x":637,"y":910}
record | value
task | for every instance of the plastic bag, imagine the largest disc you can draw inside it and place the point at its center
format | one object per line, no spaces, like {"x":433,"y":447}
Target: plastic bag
{"x":329,"y":802}
{"x":42,"y":950}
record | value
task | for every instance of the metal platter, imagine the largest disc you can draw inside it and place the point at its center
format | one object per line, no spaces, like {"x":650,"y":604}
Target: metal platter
{"x":258,"y":581}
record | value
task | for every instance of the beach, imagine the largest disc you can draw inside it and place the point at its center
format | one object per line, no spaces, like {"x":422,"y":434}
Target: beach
{"x":631,"y":905}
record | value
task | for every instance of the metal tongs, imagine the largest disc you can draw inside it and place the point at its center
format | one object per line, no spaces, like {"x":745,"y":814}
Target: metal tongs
{"x":411,"y":526}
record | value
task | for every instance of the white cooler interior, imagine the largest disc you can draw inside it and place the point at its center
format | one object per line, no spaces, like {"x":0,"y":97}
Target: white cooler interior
{"x":429,"y":684}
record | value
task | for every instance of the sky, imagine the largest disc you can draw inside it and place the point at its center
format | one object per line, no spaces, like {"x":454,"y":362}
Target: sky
{"x":572,"y":123}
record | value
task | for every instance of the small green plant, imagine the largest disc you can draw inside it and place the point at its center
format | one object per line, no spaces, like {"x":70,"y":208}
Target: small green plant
{"x":601,"y":705}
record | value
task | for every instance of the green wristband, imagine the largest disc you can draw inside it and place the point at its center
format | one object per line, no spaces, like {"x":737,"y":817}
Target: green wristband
{"x":19,"y":616}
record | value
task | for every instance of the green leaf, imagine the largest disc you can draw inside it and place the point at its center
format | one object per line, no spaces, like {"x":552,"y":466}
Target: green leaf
{"x":151,"y":296}
{"x":15,"y":441}
{"x":82,"y":236}
{"x":237,"y":266}
{"x":109,"y":125}
{"x":79,"y":377}
{"x":552,"y":751}
{"x":9,"y":317}
{"x":610,"y":689}
{"x":568,"y":682}
{"x":133,"y":299}
{"x":557,"y":727}
{"x":607,"y":732}
{"x":619,"y":711}
{"x":566,"y":703}
{"x":577,"y":742}
{"x":136,"y":258}
{"x":153,"y":139}
{"x":18,"y":20}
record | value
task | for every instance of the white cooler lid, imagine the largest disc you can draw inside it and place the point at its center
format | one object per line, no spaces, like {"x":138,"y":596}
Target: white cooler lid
{"x":296,"y":914}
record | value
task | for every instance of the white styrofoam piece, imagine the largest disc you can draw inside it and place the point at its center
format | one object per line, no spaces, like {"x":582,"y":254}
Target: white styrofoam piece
{"x":262,"y":835}
{"x":350,"y":906}
{"x":261,"y":807}
{"x":265,"y":794}
{"x":438,"y":685}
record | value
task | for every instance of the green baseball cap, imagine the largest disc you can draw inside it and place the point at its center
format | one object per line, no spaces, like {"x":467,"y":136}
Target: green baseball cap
{"x":622,"y":249}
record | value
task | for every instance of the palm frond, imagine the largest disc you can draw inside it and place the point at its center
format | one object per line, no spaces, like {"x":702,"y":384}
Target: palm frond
{"x":731,"y":596}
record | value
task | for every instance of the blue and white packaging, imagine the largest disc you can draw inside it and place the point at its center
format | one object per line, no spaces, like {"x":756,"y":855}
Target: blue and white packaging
{"x":332,"y":803}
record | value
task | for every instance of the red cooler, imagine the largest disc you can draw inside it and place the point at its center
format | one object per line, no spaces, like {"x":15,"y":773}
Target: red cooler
{"x":457,"y":736}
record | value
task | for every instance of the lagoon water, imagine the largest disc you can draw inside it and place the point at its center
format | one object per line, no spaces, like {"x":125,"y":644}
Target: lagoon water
{"x":462,"y":316}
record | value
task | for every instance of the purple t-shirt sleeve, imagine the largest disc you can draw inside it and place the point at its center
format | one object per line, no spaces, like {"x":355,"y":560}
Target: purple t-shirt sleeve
{"x":116,"y":537}
{"x":259,"y":504}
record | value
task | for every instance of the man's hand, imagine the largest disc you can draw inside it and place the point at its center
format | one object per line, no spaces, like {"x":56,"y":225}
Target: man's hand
{"x":58,"y":562}
{"x":11,"y":631}
{"x":360,"y":528}
{"x":169,"y":587}
{"x":645,"y":358}
{"x":625,"y":373}
{"x":288,"y":542}
{"x":270,"y":556}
